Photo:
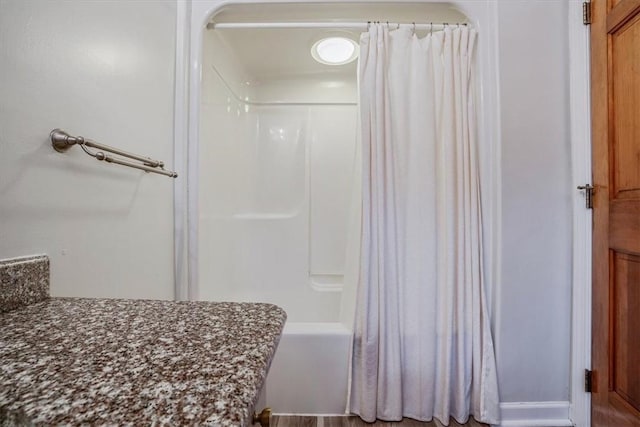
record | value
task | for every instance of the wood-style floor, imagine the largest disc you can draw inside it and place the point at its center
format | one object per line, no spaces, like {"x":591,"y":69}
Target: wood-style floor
{"x":302,"y":421}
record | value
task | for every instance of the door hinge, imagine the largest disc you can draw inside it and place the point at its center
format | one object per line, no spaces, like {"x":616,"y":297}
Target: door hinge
{"x":588,"y":194}
{"x":586,"y":13}
{"x":588,"y":380}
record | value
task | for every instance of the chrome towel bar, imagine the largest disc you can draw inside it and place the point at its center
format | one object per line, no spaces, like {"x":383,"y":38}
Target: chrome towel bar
{"x":62,"y":141}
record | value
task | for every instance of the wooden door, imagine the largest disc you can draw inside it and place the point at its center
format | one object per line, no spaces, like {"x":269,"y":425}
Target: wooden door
{"x":615,"y":67}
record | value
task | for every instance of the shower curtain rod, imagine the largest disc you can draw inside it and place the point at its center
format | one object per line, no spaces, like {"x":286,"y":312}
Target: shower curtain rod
{"x":341,"y":25}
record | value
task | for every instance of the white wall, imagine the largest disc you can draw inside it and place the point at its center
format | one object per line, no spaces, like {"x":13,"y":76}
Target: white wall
{"x":103,"y":70}
{"x":534,"y":299}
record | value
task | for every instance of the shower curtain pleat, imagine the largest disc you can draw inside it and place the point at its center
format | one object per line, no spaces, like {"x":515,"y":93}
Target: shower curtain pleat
{"x":422,"y":343}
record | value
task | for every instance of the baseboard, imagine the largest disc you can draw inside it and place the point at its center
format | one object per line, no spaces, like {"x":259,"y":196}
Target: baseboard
{"x":284,"y":414}
{"x":519,"y":414}
{"x":535,"y":414}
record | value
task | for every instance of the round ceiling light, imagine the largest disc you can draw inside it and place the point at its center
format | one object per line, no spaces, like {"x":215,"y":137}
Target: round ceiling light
{"x":334,"y":51}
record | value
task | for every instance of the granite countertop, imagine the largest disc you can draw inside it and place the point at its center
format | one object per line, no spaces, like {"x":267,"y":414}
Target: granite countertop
{"x":136,"y":362}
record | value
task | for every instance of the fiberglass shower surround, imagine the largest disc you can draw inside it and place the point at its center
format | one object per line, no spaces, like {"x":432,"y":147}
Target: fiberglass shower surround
{"x":276,"y":169}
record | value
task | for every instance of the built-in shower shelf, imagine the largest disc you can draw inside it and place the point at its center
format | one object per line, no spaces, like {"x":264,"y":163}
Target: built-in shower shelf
{"x":327,"y":282}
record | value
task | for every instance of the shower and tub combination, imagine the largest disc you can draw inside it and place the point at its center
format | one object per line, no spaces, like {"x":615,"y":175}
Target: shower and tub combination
{"x":274,"y":172}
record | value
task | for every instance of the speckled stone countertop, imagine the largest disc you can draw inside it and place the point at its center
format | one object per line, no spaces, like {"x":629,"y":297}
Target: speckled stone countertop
{"x":135,"y":362}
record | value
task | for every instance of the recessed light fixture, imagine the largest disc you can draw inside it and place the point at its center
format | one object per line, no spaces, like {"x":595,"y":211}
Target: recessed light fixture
{"x":334,"y":51}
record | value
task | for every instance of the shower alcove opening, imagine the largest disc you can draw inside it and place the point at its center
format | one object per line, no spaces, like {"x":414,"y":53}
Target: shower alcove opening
{"x":272,"y":192}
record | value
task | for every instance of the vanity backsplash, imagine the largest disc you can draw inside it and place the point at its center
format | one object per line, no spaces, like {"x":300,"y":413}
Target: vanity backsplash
{"x":23,"y":281}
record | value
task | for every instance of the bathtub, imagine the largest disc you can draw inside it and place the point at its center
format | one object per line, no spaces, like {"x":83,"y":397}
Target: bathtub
{"x":309,"y":373}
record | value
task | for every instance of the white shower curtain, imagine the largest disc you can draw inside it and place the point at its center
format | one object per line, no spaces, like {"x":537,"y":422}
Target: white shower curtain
{"x":422,"y":340}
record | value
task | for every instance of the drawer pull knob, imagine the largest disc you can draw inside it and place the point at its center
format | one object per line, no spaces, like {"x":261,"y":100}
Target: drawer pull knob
{"x":263,"y":418}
